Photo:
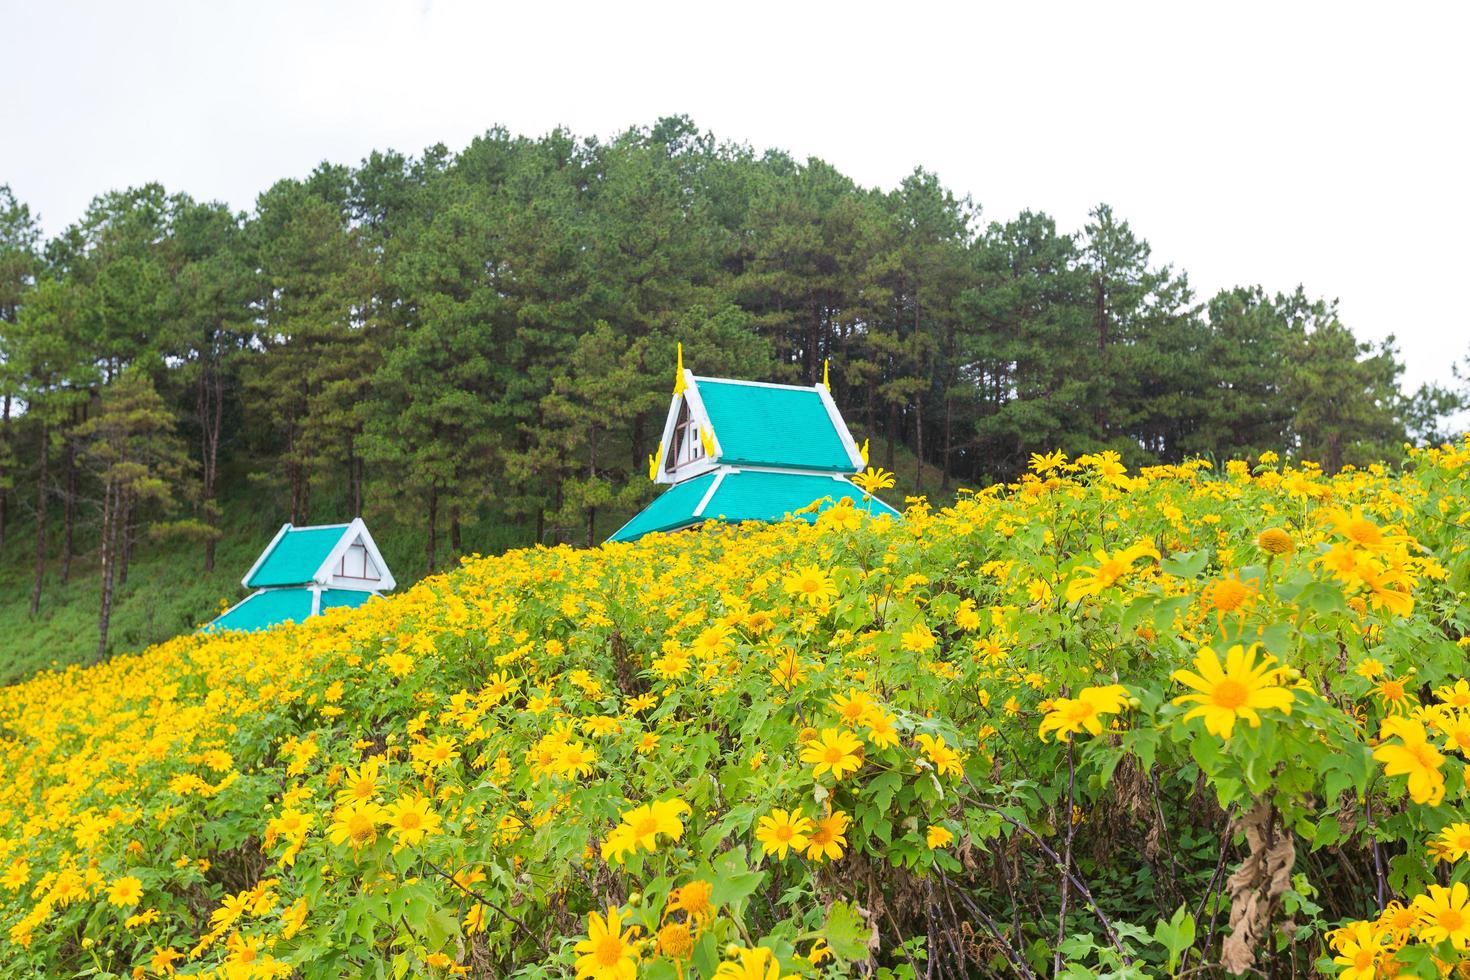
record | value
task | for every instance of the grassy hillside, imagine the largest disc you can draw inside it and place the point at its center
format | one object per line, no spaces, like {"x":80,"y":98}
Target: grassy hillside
{"x":169,"y":593}
{"x":1175,"y":723}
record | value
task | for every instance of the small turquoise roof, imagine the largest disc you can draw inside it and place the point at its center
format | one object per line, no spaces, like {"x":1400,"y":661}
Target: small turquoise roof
{"x":674,"y":508}
{"x":272,"y":606}
{"x":773,"y":425}
{"x":744,"y":495}
{"x":297,"y":555}
{"x":265,"y":609}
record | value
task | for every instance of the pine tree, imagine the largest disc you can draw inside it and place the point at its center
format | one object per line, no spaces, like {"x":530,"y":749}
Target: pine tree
{"x":142,"y":467}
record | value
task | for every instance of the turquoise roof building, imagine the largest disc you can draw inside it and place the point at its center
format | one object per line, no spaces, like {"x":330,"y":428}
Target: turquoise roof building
{"x":306,"y":570}
{"x":749,"y":451}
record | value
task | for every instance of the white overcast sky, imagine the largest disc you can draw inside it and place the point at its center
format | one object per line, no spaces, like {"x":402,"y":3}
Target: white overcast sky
{"x":1275,"y":143}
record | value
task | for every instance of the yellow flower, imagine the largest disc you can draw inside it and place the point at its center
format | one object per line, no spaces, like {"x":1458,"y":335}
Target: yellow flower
{"x":1359,"y":947}
{"x":1457,"y":697}
{"x":125,"y":891}
{"x":675,"y":940}
{"x":918,"y":638}
{"x":944,"y":758}
{"x":1240,"y":690}
{"x":938,"y":837}
{"x":873,"y":479}
{"x":1229,"y":595}
{"x":642,"y":826}
{"x":1275,"y":541}
{"x":162,"y":961}
{"x":1454,"y":840}
{"x":783,"y":830}
{"x":356,"y":823}
{"x":16,"y":875}
{"x":411,"y":820}
{"x":1109,"y":570}
{"x":853,"y":707}
{"x":693,"y":899}
{"x":1443,"y":915}
{"x":836,"y":750}
{"x":1414,"y":757}
{"x":1369,"y":668}
{"x":754,"y":964}
{"x":827,"y":840}
{"x":609,"y":951}
{"x":1069,"y":716}
{"x":812,"y":585}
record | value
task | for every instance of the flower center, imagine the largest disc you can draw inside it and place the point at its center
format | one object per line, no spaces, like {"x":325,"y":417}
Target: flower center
{"x":1450,"y":920}
{"x":409,"y":820}
{"x":647,"y":827}
{"x":1230,"y":694}
{"x":834,"y":754}
{"x":610,"y":950}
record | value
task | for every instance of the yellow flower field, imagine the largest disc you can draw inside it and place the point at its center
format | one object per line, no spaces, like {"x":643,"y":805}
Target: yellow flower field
{"x":1094,"y":723}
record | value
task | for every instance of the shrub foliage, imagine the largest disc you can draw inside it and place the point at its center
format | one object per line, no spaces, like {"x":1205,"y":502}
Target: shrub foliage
{"x":1094,"y":722}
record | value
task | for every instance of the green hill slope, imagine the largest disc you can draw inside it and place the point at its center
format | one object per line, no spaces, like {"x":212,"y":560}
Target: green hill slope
{"x":169,"y":593}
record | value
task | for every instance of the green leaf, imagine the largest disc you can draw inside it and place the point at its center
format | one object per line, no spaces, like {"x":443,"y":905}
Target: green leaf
{"x":847,"y":932}
{"x":1186,"y":564}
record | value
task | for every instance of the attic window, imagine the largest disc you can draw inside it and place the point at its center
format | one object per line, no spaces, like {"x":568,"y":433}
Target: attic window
{"x":687,"y":446}
{"x":356,"y":564}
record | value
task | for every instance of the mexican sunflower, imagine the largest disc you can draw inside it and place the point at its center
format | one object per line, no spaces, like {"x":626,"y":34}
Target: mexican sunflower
{"x":1109,"y":570}
{"x":609,"y":951}
{"x":1239,"y":689}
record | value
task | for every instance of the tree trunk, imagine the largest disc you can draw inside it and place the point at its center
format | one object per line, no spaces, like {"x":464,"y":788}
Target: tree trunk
{"x":948,"y":441}
{"x":110,"y":521}
{"x":41,"y":519}
{"x":892,"y":429}
{"x":919,"y":445}
{"x":456,"y":547}
{"x":4,"y":492}
{"x":433,"y":542}
{"x":129,"y":532}
{"x":69,"y":512}
{"x":211,"y":424}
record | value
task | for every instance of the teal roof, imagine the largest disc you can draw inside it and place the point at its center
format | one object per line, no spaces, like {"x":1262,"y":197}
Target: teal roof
{"x":351,"y":598}
{"x":296,"y":556}
{"x":265,"y":609}
{"x":773,"y":425}
{"x":270,"y":607}
{"x":747,"y":495}
{"x":744,"y":495}
{"x":672,"y":509}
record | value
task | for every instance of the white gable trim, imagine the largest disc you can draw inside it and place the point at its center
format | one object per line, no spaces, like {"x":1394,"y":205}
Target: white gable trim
{"x":666,"y":441}
{"x":754,"y":384}
{"x":696,"y":407}
{"x":710,"y":493}
{"x":848,"y":442}
{"x":326,"y":574}
{"x":245,"y":582}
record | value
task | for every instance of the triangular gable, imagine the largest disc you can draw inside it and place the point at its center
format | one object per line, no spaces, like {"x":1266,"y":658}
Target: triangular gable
{"x":356,"y":563}
{"x":683,"y":426}
{"x":322,"y":555}
{"x":753,"y":423}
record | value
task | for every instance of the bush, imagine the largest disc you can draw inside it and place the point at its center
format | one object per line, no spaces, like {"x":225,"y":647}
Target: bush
{"x":1094,"y":722}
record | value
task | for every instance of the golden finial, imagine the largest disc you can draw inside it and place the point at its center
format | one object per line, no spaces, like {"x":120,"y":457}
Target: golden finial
{"x":864,"y":452}
{"x":679,"y":371}
{"x":653,"y":464}
{"x":825,"y":384}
